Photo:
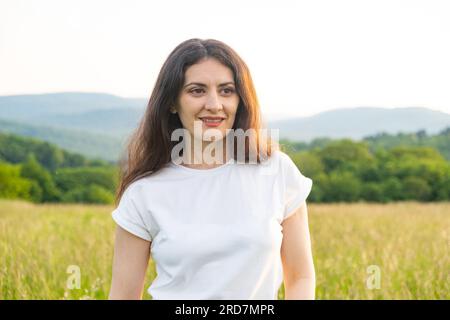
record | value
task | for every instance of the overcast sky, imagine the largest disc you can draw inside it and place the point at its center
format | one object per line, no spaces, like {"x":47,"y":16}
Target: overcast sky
{"x":305,"y":56}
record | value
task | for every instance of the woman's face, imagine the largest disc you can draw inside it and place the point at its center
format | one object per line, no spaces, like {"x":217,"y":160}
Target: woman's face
{"x":209,"y":97}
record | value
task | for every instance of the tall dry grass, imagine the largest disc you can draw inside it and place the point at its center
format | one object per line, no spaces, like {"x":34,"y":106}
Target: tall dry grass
{"x":408,"y":243}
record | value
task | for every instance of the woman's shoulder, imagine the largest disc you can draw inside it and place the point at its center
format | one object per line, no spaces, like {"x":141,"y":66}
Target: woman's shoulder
{"x":280,"y":157}
{"x":149,"y":179}
{"x":275,"y":163}
{"x":283,"y":161}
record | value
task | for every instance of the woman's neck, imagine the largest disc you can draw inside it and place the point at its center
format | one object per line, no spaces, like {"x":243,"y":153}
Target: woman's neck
{"x":206,"y":154}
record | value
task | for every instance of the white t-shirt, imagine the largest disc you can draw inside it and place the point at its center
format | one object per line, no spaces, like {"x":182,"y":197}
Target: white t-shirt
{"x":215,"y":233}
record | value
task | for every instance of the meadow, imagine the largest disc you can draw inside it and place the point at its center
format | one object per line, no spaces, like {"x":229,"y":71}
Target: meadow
{"x":361,"y":251}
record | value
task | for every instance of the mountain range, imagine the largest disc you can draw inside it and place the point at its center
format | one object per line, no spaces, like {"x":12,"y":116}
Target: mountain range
{"x":97,"y":124}
{"x":357,"y":123}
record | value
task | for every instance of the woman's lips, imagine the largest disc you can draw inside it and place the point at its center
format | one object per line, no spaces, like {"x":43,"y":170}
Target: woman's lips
{"x":212,"y":122}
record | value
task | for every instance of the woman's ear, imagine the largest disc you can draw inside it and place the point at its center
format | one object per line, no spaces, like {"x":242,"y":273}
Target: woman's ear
{"x":172,"y":110}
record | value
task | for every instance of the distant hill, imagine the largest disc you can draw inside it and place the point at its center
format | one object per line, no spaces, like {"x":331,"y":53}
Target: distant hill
{"x":94,"y":112}
{"x":357,"y":123}
{"x":96,"y":123}
{"x":91,"y":145}
{"x":30,"y":105}
{"x":117,"y":116}
{"x":113,"y":122}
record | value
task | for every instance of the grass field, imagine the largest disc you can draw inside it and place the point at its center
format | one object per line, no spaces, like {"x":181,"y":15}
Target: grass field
{"x":408,"y":243}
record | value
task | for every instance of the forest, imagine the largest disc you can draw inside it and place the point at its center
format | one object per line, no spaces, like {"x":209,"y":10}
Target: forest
{"x":381,"y":168}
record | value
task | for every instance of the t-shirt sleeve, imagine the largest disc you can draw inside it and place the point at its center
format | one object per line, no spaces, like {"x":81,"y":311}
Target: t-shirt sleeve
{"x":129,"y":215}
{"x":296,"y":186}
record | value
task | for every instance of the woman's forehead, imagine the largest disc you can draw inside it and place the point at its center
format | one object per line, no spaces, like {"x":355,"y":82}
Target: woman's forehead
{"x":208,"y":72}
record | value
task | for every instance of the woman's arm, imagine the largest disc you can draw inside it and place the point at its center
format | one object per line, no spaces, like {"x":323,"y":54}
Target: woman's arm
{"x":131,"y":256}
{"x":296,"y":256}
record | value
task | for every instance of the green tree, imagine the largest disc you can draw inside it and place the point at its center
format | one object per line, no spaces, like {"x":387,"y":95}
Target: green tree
{"x":32,"y":170}
{"x":341,"y":186}
{"x":49,"y":156}
{"x":68,"y":179}
{"x":416,"y":188}
{"x":89,"y":194}
{"x":392,"y":189}
{"x":345,"y":155}
{"x":12,"y":185}
{"x":443,"y":186}
{"x":372,"y":192}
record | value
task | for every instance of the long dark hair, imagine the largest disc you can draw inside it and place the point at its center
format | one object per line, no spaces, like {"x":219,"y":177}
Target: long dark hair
{"x":149,"y":147}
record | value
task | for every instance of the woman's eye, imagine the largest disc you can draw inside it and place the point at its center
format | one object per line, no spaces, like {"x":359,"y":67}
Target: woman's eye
{"x":230,"y":90}
{"x":196,"y":90}
{"x":225,"y":90}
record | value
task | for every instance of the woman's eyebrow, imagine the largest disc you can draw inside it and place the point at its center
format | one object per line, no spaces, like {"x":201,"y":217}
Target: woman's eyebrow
{"x":204,"y":85}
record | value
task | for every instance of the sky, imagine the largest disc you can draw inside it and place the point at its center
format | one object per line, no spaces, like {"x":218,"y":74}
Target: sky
{"x":305,"y":57}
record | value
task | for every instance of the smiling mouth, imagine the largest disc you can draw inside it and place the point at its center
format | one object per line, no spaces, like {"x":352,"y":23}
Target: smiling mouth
{"x":212,"y":121}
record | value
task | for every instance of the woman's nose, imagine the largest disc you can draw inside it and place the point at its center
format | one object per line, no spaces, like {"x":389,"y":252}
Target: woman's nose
{"x":213,"y":102}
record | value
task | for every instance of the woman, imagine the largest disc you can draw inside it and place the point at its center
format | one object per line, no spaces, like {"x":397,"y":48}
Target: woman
{"x":233,"y":228}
